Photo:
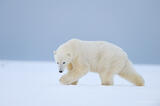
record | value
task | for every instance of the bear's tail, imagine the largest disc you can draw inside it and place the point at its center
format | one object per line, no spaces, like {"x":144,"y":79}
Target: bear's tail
{"x":131,"y":75}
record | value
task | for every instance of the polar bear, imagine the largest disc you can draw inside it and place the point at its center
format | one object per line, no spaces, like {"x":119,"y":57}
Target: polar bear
{"x":101,"y":57}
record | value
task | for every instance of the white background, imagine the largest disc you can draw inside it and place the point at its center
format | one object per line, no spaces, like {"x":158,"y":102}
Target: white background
{"x":36,"y":84}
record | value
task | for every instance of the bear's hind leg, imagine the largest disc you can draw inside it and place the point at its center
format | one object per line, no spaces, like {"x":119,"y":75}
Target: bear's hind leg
{"x":131,"y":75}
{"x":106,"y":78}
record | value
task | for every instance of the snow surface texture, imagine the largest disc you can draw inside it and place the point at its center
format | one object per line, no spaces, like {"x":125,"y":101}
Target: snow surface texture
{"x":36,"y":84}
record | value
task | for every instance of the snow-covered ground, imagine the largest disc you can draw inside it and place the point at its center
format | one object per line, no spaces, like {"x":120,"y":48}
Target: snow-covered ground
{"x":36,"y":84}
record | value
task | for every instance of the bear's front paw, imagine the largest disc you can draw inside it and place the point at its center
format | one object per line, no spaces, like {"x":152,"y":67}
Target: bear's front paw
{"x":66,"y":80}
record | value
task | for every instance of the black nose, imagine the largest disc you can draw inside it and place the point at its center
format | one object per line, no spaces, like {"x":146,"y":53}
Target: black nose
{"x":60,"y":71}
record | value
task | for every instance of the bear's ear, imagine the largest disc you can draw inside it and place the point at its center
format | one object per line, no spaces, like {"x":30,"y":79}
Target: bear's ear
{"x":69,"y":54}
{"x":54,"y":52}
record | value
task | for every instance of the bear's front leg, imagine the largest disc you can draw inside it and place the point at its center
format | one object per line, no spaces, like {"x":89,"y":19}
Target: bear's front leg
{"x":106,"y":78}
{"x":70,"y":68}
{"x":73,"y":76}
{"x":74,"y":83}
{"x":66,"y":79}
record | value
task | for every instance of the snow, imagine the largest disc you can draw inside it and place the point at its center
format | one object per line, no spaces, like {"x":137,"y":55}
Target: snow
{"x":36,"y":84}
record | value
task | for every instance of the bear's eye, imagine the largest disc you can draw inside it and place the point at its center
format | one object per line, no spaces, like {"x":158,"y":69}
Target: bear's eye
{"x":64,"y":62}
{"x":57,"y":62}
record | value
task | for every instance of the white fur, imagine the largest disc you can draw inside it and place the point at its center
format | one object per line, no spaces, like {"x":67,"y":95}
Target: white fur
{"x":105,"y":58}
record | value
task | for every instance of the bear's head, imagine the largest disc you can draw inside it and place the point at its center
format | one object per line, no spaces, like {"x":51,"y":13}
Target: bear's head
{"x":62,"y":59}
